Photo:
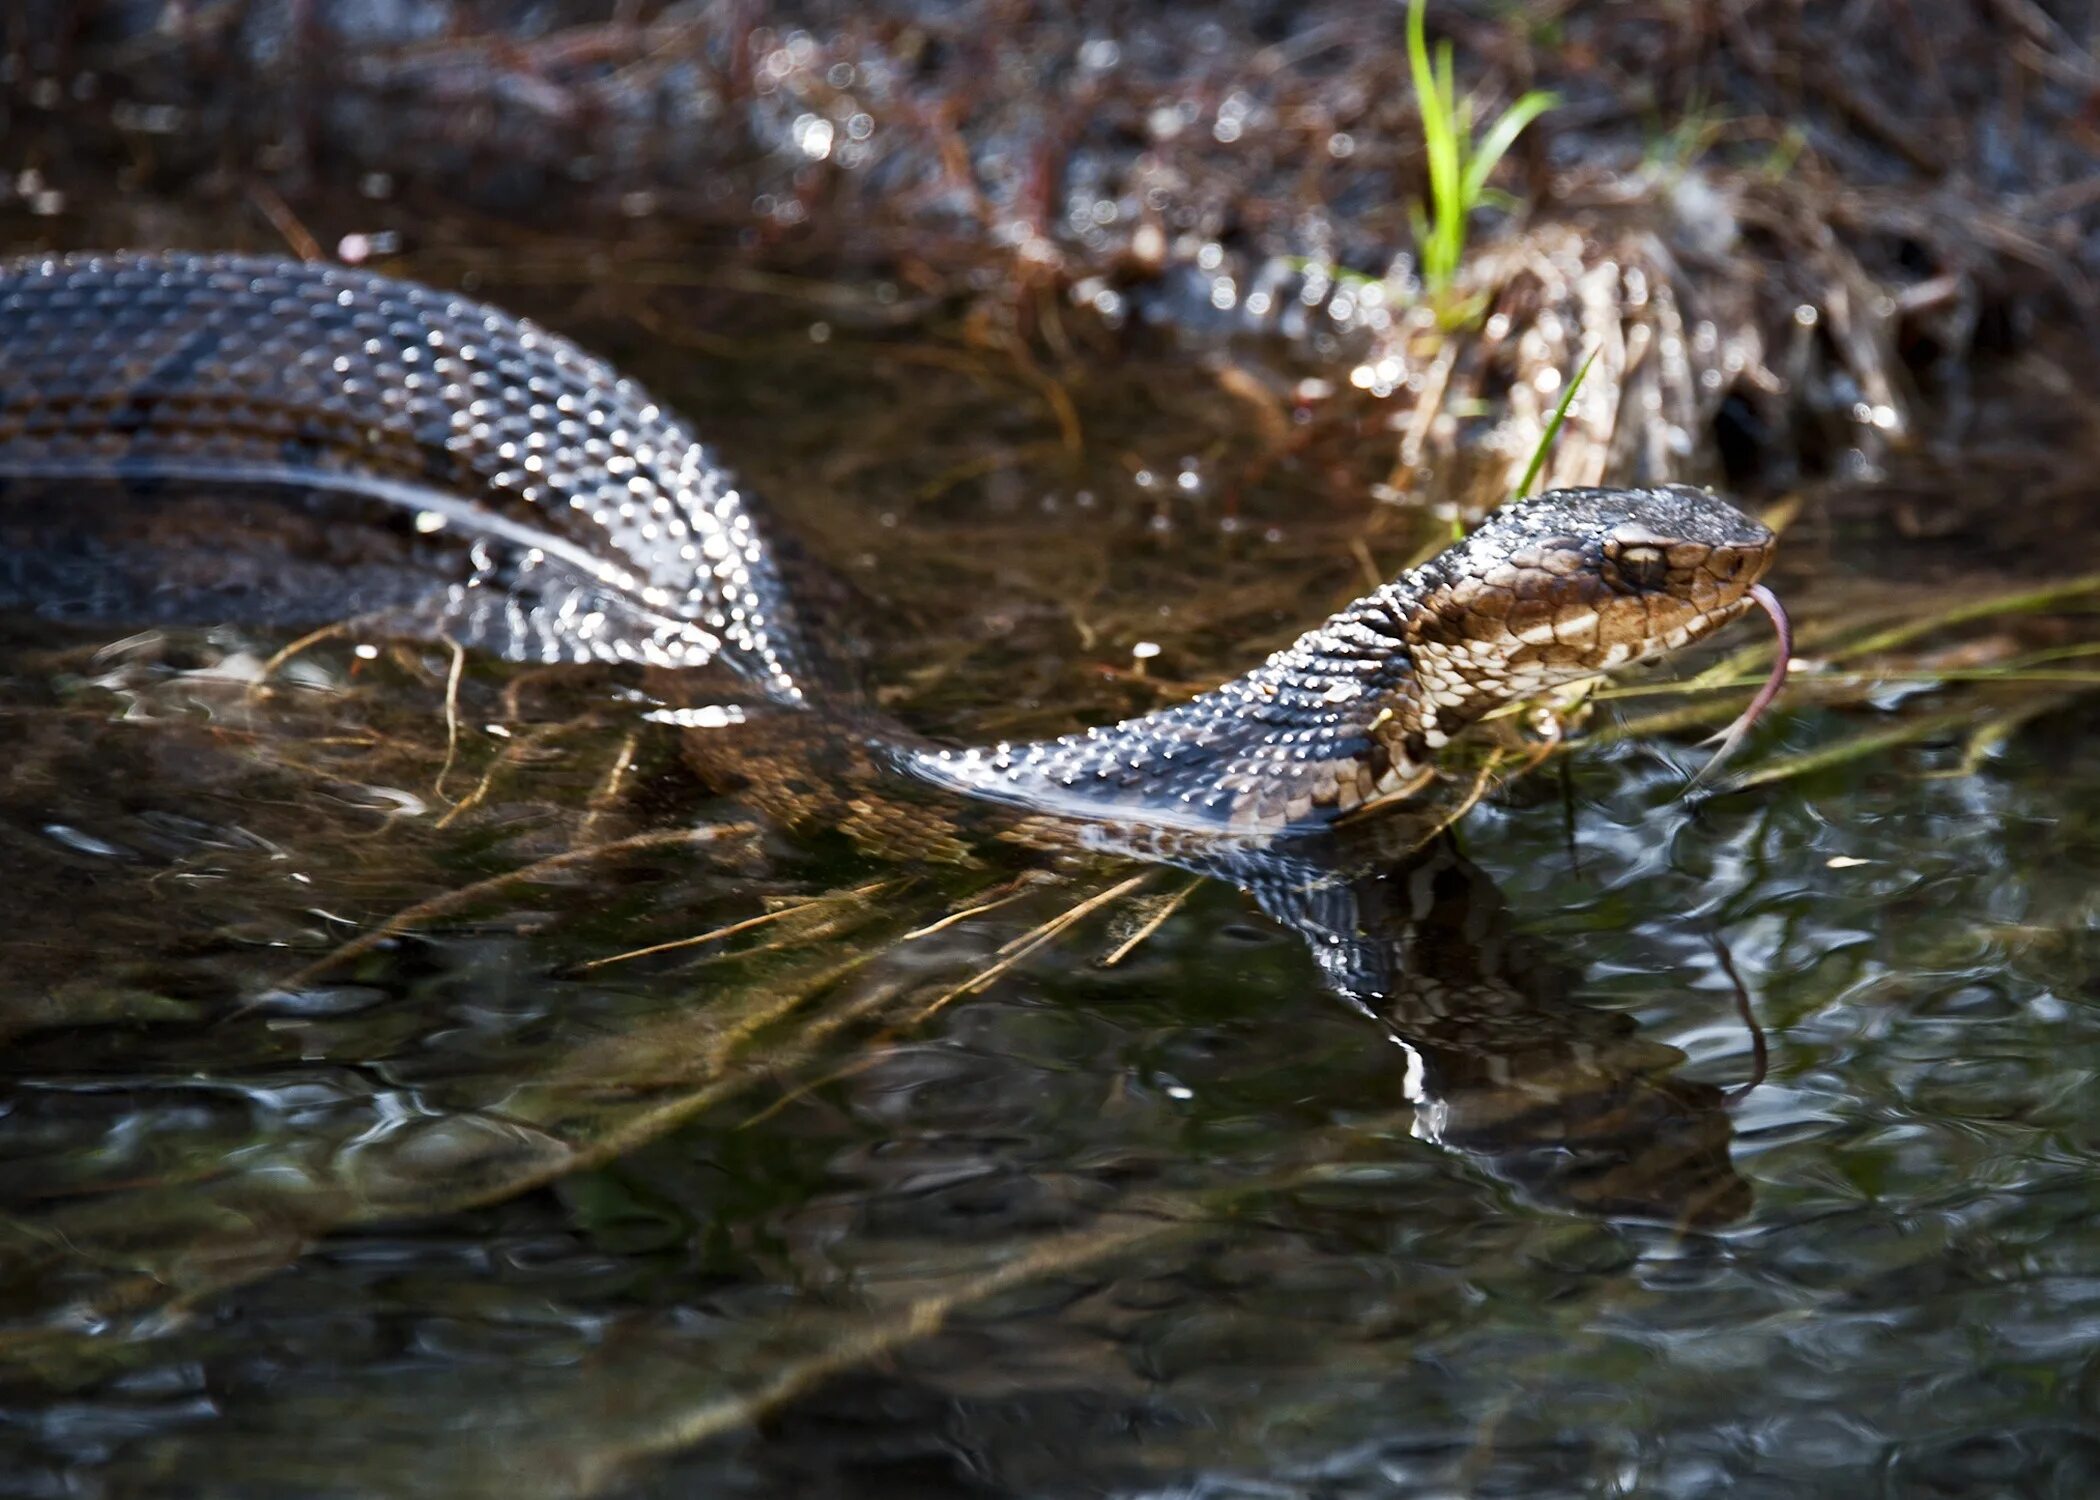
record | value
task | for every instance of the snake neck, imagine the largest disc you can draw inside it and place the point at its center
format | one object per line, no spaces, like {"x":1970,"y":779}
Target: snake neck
{"x":1342,"y":717}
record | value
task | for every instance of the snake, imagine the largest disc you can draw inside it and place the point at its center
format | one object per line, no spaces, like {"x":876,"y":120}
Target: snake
{"x":557,"y":512}
{"x":475,"y":478}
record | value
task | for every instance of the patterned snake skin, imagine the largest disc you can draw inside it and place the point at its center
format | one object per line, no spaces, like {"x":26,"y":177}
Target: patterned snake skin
{"x":590,"y":524}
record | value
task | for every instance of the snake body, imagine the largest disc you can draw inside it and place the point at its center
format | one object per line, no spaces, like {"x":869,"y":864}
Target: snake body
{"x":521,"y":497}
{"x":590,"y":523}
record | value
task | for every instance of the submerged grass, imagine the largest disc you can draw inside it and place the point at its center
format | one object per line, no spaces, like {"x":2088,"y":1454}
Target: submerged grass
{"x":1854,"y":666}
{"x":851,"y":972}
{"x":844,"y":969}
{"x":726,"y":1052}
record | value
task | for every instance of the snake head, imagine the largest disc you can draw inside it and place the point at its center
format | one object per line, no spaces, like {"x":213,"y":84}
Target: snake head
{"x":1568,"y":585}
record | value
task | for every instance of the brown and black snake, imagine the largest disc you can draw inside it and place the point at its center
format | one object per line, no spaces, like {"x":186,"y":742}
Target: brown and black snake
{"x":442,"y":470}
{"x":557,"y":512}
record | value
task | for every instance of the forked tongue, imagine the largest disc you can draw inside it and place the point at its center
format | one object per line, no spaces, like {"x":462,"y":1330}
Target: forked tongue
{"x":1732,"y":736}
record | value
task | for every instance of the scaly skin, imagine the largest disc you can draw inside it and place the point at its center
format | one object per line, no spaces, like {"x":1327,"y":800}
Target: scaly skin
{"x":524,"y":498}
{"x":592,"y":524}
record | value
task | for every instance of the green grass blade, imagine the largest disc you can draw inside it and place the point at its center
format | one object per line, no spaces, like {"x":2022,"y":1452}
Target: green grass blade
{"x":1447,"y":161}
{"x":1426,"y":100}
{"x":1458,"y":167}
{"x":1500,"y":137}
{"x":2022,"y":601}
{"x":1872,"y":744}
{"x":1560,"y":415}
{"x":1439,"y":253}
{"x":1418,"y":46}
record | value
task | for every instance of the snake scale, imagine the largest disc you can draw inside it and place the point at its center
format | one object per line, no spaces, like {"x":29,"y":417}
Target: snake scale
{"x":589,"y":523}
{"x":443,"y":470}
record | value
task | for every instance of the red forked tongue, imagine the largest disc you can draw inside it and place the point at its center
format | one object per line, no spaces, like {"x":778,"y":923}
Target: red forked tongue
{"x":1732,"y":736}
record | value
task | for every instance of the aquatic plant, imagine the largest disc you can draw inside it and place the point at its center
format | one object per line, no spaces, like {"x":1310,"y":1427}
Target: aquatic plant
{"x":1459,"y":165}
{"x":1553,"y":425}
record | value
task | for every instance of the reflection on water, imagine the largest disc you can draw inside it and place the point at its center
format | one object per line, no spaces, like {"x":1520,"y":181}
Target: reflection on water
{"x":464,"y":1086}
{"x":1568,"y":1103}
{"x":951,"y":1209}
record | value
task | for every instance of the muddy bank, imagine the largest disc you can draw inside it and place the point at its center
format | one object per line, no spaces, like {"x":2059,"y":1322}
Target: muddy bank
{"x":1790,"y":233}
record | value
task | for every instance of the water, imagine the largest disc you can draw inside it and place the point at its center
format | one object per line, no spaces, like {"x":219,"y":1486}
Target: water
{"x":462,"y":1091}
{"x":1128,"y":1203}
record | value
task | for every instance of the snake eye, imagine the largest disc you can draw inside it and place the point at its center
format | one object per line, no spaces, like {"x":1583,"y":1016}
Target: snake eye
{"x":1642,"y":567}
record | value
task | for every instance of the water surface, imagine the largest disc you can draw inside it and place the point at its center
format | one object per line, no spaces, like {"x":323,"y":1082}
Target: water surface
{"x":1035,"y":1176}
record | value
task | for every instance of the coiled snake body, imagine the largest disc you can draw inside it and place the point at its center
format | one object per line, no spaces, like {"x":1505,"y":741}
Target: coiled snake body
{"x":590,"y":524}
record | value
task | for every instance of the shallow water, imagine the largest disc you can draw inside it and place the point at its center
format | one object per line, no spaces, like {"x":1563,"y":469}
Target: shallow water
{"x":1095,"y":1189}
